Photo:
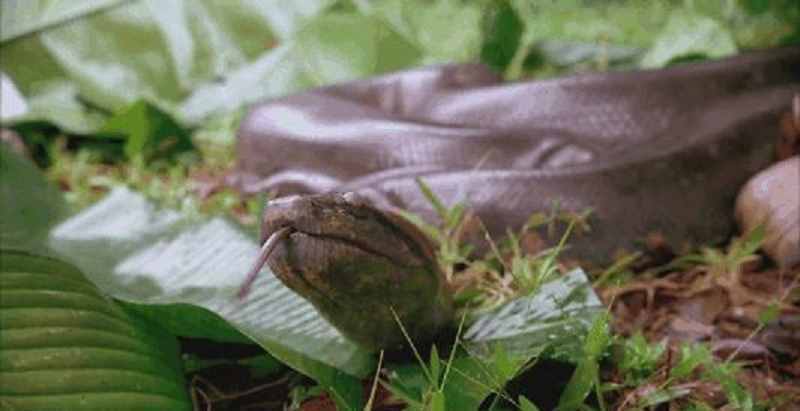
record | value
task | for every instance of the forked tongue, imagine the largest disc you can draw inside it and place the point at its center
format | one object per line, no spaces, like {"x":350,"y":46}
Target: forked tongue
{"x":263,"y":255}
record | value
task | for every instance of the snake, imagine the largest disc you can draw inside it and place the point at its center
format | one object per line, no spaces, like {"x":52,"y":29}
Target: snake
{"x":649,"y":152}
{"x":367,"y":271}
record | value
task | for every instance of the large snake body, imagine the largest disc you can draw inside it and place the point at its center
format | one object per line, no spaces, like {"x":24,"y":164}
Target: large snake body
{"x":652,"y":151}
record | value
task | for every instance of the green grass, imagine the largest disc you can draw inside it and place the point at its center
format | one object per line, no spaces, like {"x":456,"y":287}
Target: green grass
{"x":85,"y":176}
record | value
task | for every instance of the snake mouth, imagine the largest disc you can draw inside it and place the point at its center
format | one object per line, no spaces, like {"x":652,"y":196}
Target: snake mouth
{"x":362,"y":246}
{"x":292,"y":278}
{"x":295,"y":279}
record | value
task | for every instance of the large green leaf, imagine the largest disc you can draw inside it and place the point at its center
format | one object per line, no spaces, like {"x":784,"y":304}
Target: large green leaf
{"x":638,"y":23}
{"x":147,"y":131}
{"x":21,"y":17}
{"x":30,"y":206}
{"x":420,"y":23}
{"x":65,"y":346}
{"x":611,"y":33}
{"x":334,"y":47}
{"x":688,"y":34}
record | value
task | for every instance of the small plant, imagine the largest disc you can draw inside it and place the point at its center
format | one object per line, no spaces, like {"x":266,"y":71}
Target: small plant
{"x":85,"y":178}
{"x":300,"y":394}
{"x":550,"y":220}
{"x":651,"y":381}
{"x":691,"y":357}
{"x":529,"y":272}
{"x":587,"y":374}
{"x":619,"y":271}
{"x":450,"y":235}
{"x":508,"y":271}
{"x":730,"y":262}
{"x":433,"y":397}
{"x":640,"y":358}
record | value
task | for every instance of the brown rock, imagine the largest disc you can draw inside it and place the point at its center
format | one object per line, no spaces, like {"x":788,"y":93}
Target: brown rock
{"x":772,"y":198}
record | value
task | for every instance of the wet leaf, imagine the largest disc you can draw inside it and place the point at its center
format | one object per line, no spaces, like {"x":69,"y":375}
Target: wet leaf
{"x":65,"y":346}
{"x":31,"y":206}
{"x":689,"y":35}
{"x":148,"y":132}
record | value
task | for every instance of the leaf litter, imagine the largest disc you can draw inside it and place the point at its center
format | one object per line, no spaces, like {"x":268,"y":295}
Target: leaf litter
{"x":733,"y":302}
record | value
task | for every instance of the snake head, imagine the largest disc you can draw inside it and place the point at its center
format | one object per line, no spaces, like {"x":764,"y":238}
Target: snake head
{"x":361,"y":267}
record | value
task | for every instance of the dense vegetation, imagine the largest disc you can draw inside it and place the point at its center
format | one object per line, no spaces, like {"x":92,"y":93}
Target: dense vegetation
{"x":131,"y":114}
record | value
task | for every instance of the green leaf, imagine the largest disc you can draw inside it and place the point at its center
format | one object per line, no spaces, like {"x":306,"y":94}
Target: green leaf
{"x":432,"y":198}
{"x":687,"y":35}
{"x":470,"y":380}
{"x":21,"y":17}
{"x":620,"y":22}
{"x":574,"y":34}
{"x":420,"y":23}
{"x":345,"y":46}
{"x":148,"y":131}
{"x":504,"y":364}
{"x":726,"y":375}
{"x":691,"y":357}
{"x":65,"y":346}
{"x":430,"y":230}
{"x":438,"y":401}
{"x":769,"y":314}
{"x":408,"y":393}
{"x":526,"y":404}
{"x":640,"y":358}
{"x":663,"y":396}
{"x":31,"y":206}
{"x":435,"y":367}
{"x":750,"y":242}
{"x":502,"y":35}
{"x":586,"y":375}
{"x":549,"y":321}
